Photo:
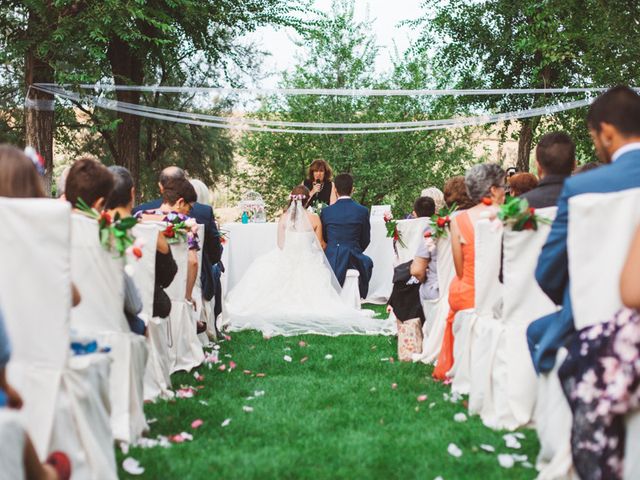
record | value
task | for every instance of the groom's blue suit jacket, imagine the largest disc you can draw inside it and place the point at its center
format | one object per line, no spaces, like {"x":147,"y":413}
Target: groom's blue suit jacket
{"x":549,"y":333}
{"x":347,"y":232}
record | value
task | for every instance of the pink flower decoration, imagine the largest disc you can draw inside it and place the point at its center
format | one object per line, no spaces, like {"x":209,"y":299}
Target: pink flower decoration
{"x":196,"y":423}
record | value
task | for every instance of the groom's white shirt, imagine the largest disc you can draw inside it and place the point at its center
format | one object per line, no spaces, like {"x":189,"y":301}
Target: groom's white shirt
{"x":343,"y":197}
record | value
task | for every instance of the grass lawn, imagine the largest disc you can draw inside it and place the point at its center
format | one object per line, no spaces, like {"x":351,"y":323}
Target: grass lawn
{"x":320,"y":418}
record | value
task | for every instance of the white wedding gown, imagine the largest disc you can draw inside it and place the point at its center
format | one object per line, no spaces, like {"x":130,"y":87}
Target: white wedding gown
{"x":292,"y":290}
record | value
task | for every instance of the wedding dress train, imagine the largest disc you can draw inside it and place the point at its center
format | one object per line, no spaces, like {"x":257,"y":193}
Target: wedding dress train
{"x":292,"y":290}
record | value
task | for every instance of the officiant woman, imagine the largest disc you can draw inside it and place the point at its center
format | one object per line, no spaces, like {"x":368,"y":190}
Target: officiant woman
{"x":319,"y":181}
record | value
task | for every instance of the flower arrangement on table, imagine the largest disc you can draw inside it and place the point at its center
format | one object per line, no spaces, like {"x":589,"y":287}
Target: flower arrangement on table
{"x":441,"y":222}
{"x":181,"y":228}
{"x":519,"y":216}
{"x":392,"y":231}
{"x":115,"y":233}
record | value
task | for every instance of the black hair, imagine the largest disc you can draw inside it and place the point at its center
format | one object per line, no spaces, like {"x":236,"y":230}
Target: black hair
{"x":618,"y":106}
{"x":177,"y":188}
{"x":556,"y":153}
{"x":424,"y":206}
{"x":344,"y":184}
{"x":123,"y":183}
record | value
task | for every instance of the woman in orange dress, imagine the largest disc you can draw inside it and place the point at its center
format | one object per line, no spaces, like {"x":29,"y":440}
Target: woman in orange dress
{"x":486,"y":187}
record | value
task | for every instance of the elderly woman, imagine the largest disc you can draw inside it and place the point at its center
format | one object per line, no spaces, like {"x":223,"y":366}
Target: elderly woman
{"x":437,"y":196}
{"x":486,"y":187}
{"x":320,"y":184}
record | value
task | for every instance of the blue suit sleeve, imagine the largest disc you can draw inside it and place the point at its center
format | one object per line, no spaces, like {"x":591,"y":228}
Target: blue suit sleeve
{"x":365,"y":234}
{"x":324,"y":226}
{"x":552,"y":272}
{"x":213,"y":246}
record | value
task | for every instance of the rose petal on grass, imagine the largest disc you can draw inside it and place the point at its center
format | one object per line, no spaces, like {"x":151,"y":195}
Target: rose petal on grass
{"x":527,"y":465}
{"x":304,"y":359}
{"x":247,"y":409}
{"x":511,"y":441}
{"x":226,"y":422}
{"x":287,"y":358}
{"x":422,"y":398}
{"x":247,"y":372}
{"x":460,"y":417}
{"x":505,"y":460}
{"x":394,"y":386}
{"x":204,"y":402}
{"x":222,"y":367}
{"x":302,"y":343}
{"x":487,"y":448}
{"x":287,"y":349}
{"x":196,"y":423}
{"x":258,"y":393}
{"x":391,"y":360}
{"x":432,"y":404}
{"x":519,"y":435}
{"x":261,"y":375}
{"x":132,"y":466}
{"x":232,"y":365}
{"x":454,"y":450}
{"x":226,"y":337}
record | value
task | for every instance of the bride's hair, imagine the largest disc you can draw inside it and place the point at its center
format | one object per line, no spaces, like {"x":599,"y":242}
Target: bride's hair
{"x":298,"y":193}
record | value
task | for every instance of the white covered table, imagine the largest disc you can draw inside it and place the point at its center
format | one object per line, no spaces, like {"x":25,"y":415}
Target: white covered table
{"x":248,"y":241}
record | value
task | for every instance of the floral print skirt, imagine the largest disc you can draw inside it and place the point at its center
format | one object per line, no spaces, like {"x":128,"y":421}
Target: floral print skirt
{"x":601,"y":380}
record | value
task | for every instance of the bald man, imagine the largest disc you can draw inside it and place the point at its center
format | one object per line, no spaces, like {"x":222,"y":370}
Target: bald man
{"x":203,"y":214}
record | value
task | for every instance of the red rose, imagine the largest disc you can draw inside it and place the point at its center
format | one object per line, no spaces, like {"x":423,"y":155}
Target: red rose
{"x":104,"y":216}
{"x":528,"y":225}
{"x":441,"y":222}
{"x":137,"y":252}
{"x":532,"y":210}
{"x":487,"y":201}
{"x":169,"y":231}
{"x":427,"y":234}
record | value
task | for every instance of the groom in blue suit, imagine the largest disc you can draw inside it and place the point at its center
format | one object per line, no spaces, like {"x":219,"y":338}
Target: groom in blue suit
{"x":614,"y":125}
{"x":347,"y":232}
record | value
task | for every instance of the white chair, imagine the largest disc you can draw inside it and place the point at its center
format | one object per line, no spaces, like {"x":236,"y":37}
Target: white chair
{"x":436,"y":311}
{"x":157,"y":376}
{"x":553,"y":425}
{"x":98,"y":275}
{"x":66,"y":405}
{"x":12,"y":439}
{"x":599,"y":222}
{"x":185,"y":350}
{"x":411,"y":231}
{"x":473,"y":329}
{"x":350,"y":293}
{"x":509,"y":398}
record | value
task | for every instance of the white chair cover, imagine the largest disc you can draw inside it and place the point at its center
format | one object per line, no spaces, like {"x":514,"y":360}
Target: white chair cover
{"x":632,"y":447}
{"x":157,"y":375}
{"x":509,"y":398}
{"x":12,"y":439}
{"x":350,"y":293}
{"x":436,"y":311}
{"x":599,"y":222}
{"x":411,"y":232}
{"x":62,"y":396}
{"x":98,"y":274}
{"x":185,"y":349}
{"x":553,"y":424}
{"x":473,"y":329}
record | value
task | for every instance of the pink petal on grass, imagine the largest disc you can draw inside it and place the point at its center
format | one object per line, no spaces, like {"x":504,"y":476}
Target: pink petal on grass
{"x":196,"y":423}
{"x":247,"y":372}
{"x":302,"y":344}
{"x":232,"y":365}
{"x":394,"y":386}
{"x":391,"y":360}
{"x":222,"y":367}
{"x":227,"y":338}
{"x":261,"y":375}
{"x":422,"y":398}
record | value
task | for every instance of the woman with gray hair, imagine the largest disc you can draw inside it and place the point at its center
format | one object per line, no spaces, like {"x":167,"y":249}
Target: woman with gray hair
{"x":486,"y":187}
{"x":437,"y":196}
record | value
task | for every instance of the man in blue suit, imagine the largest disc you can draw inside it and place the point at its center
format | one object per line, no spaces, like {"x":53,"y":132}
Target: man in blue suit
{"x":203,"y":214}
{"x":347,"y":232}
{"x":614,"y":125}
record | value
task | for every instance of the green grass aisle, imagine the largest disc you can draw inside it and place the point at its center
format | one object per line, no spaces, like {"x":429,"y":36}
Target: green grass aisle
{"x":320,"y":417}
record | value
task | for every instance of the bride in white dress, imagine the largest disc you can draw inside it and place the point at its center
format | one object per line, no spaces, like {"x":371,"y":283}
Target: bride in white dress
{"x":292,"y":289}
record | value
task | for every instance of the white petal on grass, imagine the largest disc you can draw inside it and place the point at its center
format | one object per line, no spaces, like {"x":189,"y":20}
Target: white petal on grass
{"x":511,"y":441}
{"x":328,"y":356}
{"x":287,"y":358}
{"x":226,"y":422}
{"x":132,"y":466}
{"x":454,"y":450}
{"x":519,"y":458}
{"x":460,"y":417}
{"x":519,"y":435}
{"x":487,"y":448}
{"x":527,"y":465}
{"x":258,"y":393}
{"x":247,"y":409}
{"x":505,"y":460}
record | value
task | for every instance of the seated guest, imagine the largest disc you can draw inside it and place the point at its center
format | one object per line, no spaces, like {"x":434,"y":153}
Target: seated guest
{"x":58,"y":465}
{"x":437,"y":196}
{"x":601,"y":381}
{"x":486,"y":187}
{"x":521,"y":183}
{"x":203,"y":214}
{"x":455,"y":191}
{"x":19,"y":178}
{"x":178,"y":196}
{"x":614,"y":125}
{"x":423,"y":207}
{"x":120,"y":202}
{"x":555,"y":160}
{"x":424,"y":266}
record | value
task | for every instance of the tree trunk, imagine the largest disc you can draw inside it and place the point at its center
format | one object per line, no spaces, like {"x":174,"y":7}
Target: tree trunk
{"x":39,"y":114}
{"x":527,"y":129}
{"x":127,"y":69}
